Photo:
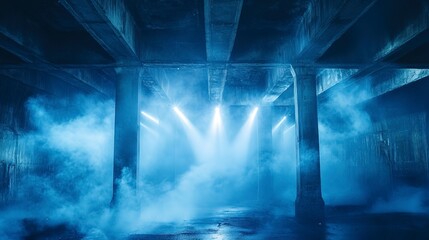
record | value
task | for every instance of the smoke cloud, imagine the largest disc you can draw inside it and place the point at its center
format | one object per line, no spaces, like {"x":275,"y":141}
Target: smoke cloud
{"x":187,"y":169}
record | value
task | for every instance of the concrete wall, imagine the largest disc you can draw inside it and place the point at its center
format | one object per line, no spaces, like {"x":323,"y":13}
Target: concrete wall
{"x":13,"y":126}
{"x":394,"y":152}
{"x":388,"y":150}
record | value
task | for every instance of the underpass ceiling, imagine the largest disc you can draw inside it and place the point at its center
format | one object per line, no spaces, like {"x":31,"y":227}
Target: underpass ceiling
{"x":172,"y":42}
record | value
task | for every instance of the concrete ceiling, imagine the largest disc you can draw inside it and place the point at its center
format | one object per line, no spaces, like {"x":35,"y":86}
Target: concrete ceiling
{"x":215,"y":51}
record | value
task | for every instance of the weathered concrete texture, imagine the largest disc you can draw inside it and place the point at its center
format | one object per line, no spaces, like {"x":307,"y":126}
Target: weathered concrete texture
{"x":29,"y":42}
{"x":126,"y":130}
{"x":13,"y":122}
{"x":217,"y":78}
{"x":110,"y":24}
{"x":279,"y":79}
{"x":324,"y":22}
{"x":309,"y":205}
{"x":265,"y":185}
{"x":393,"y":153}
{"x":221,"y":23}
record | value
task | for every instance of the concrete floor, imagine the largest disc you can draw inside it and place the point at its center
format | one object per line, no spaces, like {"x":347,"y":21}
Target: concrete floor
{"x":241,"y":223}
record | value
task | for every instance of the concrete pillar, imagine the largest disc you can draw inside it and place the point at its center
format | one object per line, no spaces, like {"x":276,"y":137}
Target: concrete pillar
{"x":309,"y":205}
{"x":126,"y":131}
{"x":265,"y":180}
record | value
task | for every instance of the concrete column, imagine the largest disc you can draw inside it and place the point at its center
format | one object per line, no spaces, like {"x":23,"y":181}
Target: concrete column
{"x":126,"y":131}
{"x":309,"y":205}
{"x":265,"y":181}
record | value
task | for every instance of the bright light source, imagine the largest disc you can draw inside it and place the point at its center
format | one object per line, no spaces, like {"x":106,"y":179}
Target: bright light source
{"x":150,"y":117}
{"x":254,"y":112}
{"x":181,"y":115}
{"x":217,"y":110}
{"x":241,"y":142}
{"x":276,"y":127}
{"x":217,"y":116}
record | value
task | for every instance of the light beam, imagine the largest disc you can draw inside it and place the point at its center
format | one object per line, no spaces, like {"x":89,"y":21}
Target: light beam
{"x":242,"y":140}
{"x":276,"y":127}
{"x":150,"y":117}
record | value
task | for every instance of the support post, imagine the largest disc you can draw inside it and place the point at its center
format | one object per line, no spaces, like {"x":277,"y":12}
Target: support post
{"x":266,"y":188}
{"x":309,"y":205}
{"x":126,"y":132}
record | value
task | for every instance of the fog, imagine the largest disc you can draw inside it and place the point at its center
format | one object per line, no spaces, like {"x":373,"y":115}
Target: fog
{"x":193,"y":161}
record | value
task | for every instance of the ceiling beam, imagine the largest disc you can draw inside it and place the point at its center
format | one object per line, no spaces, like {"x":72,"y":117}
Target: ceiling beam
{"x":217,"y":78}
{"x":266,"y":65}
{"x":26,"y":40}
{"x":406,"y":40}
{"x":39,"y":80}
{"x":412,"y":36}
{"x":221,"y":23}
{"x":328,"y":77}
{"x":279,"y":80}
{"x":388,"y":80}
{"x":150,"y":83}
{"x":323,"y":23}
{"x":110,"y":24}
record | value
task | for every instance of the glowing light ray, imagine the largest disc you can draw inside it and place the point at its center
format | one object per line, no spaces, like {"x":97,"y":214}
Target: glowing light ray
{"x":242,"y":140}
{"x":276,"y":127}
{"x":216,"y":142}
{"x":150,"y":117}
{"x":216,"y":124}
{"x":193,"y":135}
{"x":150,"y":130}
{"x":288,"y":129}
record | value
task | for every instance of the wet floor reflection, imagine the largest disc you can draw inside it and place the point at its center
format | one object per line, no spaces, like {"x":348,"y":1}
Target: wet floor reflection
{"x":242,"y":223}
{"x":247,"y":224}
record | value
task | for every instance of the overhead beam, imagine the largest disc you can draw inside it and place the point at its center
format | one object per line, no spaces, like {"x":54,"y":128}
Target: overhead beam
{"x":93,"y":78}
{"x":196,"y":65}
{"x":323,"y":23}
{"x":387,"y":81}
{"x":38,"y":80}
{"x":217,"y":78}
{"x":221,"y":23}
{"x":328,"y":77}
{"x":150,"y":83}
{"x":406,"y":40}
{"x":26,"y":40}
{"x":416,"y":33}
{"x":279,"y":80}
{"x":110,"y":24}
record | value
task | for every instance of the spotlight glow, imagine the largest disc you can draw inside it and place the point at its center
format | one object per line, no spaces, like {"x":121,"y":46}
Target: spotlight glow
{"x":191,"y":132}
{"x":253,"y":114}
{"x":182,"y":116}
{"x":276,"y":127}
{"x":217,"y":118}
{"x":150,"y":117}
{"x":215,"y":127}
{"x":241,"y":142}
{"x":217,"y":110}
{"x":150,"y":130}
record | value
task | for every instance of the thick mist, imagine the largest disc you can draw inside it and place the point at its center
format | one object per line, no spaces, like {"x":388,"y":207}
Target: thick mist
{"x":192,"y":165}
{"x":69,"y":172}
{"x":356,"y":164}
{"x":193,"y":161}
